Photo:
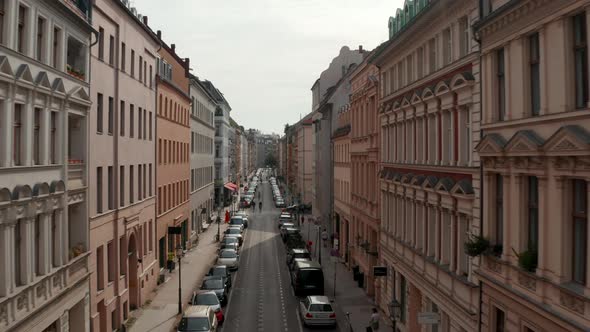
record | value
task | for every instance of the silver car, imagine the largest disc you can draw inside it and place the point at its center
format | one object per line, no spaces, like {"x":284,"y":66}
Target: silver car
{"x":229,"y":258}
{"x":317,"y":310}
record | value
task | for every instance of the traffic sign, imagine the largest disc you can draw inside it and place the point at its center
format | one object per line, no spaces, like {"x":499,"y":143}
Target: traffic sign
{"x":428,"y":318}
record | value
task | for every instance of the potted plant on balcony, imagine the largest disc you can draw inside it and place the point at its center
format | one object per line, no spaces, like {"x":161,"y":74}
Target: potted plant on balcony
{"x":476,"y":245}
{"x":527,"y":260}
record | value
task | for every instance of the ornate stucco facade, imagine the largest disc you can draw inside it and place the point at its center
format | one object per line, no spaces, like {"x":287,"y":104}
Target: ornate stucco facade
{"x":536,"y":168}
{"x":429,"y":174}
{"x":44,"y":109}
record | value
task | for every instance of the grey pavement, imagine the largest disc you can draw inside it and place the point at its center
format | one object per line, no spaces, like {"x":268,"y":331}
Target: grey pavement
{"x":162,"y":313}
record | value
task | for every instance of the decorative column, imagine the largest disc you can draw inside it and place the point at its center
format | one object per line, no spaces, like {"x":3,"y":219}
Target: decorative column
{"x":63,"y":222}
{"x":6,"y":254}
{"x":6,"y":117}
{"x":437,"y":233}
{"x":45,"y":243}
{"x":44,"y":140}
{"x":543,"y":225}
{"x":27,"y":237}
{"x":64,"y":321}
{"x":57,"y":242}
{"x":454,"y":241}
{"x":27,"y":130}
{"x":424,"y":234}
{"x":542,"y":70}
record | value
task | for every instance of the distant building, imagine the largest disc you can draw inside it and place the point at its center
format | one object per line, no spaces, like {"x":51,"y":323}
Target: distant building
{"x":44,"y":107}
{"x":202,"y":123}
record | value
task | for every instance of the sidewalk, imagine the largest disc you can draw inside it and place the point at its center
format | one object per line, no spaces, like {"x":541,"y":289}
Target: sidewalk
{"x":162,"y":313}
{"x":349,"y":297}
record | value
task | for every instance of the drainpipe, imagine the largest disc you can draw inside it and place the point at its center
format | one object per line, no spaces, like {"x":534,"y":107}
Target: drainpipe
{"x":481,"y":175}
{"x":87,"y":122}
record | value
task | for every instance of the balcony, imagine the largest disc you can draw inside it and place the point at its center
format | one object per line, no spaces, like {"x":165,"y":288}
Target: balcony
{"x":82,"y":8}
{"x":76,"y":173}
{"x":76,"y":152}
{"x":76,"y":58}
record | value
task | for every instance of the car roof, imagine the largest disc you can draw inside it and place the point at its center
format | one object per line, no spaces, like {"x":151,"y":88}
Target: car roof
{"x":204,"y":291}
{"x":228,"y":250}
{"x":219,"y":267}
{"x":197,"y":311}
{"x":309,"y":264}
{"x":212,"y":277}
{"x":316,"y":299}
{"x":299,"y":251}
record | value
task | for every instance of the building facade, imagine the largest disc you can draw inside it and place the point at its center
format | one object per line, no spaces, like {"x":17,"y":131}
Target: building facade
{"x":429,"y":174}
{"x":363,"y":226}
{"x":44,"y":109}
{"x":536,"y":167}
{"x":330,"y":92}
{"x":173,"y":153}
{"x":342,"y":181}
{"x":121,"y":165}
{"x":304,"y":154}
{"x":202,"y":159}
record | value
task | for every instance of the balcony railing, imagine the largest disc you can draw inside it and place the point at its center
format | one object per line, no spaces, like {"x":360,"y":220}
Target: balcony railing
{"x":82,"y":8}
{"x":75,"y":173}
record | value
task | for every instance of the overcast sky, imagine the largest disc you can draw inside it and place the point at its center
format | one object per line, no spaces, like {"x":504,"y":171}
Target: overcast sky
{"x":264,"y":55}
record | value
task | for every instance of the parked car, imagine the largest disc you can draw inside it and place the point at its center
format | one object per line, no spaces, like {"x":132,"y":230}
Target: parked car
{"x":230,"y":258}
{"x":295,"y":260}
{"x":216,"y":284}
{"x":289,"y":231}
{"x":284,"y":218}
{"x":284,"y":226}
{"x":237,"y":236}
{"x":244,"y":216}
{"x":208,"y":298}
{"x":229,"y":240}
{"x":198,"y":318}
{"x":317,"y":310}
{"x":280,"y":203}
{"x":237,"y":221}
{"x":297,"y":253}
{"x":221,"y":271}
{"x":235,"y":246}
{"x":237,"y":229}
{"x":307,"y":278}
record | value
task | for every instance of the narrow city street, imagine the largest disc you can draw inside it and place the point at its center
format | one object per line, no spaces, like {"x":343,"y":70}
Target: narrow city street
{"x":262,"y":298}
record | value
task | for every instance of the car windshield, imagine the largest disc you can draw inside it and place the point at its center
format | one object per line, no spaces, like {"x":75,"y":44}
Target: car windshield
{"x":194,"y":324}
{"x":234,"y":231}
{"x":230,"y":240}
{"x":228,"y":254}
{"x":320,"y":308}
{"x":206,"y":299}
{"x":218,"y":271}
{"x":212,"y":284}
{"x":302,"y":255}
{"x":236,"y":221}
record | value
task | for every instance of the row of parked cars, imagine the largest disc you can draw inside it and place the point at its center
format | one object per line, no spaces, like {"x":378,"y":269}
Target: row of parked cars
{"x":205,"y":310}
{"x":307,"y":276}
{"x":249,"y":192}
{"x":276,"y":193}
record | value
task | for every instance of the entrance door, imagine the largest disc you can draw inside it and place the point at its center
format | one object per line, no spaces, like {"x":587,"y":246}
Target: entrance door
{"x":184,"y":234}
{"x":133,"y":282}
{"x":162,"y":251}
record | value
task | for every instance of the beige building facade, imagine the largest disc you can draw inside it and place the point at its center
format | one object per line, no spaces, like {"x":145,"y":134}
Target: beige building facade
{"x":429,"y":176}
{"x":342,"y":180}
{"x":122,"y":165}
{"x":44,"y":109}
{"x":304,"y":137}
{"x":536,"y":168}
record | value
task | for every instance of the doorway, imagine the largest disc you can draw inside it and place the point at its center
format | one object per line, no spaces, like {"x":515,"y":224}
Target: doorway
{"x":132,"y":263}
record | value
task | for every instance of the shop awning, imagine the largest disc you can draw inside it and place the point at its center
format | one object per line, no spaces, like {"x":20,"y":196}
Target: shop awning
{"x":231,"y":186}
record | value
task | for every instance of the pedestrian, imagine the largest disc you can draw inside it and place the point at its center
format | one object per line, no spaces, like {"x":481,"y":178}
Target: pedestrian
{"x":302,"y":220}
{"x":374,"y":321}
{"x":253,"y":206}
{"x":260,"y":206}
{"x":325,"y":238}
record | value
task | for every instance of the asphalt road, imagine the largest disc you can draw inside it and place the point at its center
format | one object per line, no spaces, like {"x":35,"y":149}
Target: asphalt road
{"x":262,"y":297}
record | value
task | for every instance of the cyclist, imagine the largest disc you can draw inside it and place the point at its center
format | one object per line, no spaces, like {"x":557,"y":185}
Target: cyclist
{"x":253,"y":206}
{"x":260,"y":206}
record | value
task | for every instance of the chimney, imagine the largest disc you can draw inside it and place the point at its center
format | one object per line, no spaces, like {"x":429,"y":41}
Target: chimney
{"x":173,"y":47}
{"x":159,"y":34}
{"x":145,"y":20}
{"x":361,"y":48}
{"x":187,"y":64}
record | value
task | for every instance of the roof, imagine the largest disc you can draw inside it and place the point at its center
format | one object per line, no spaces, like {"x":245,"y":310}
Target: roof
{"x":309,"y":265}
{"x":315,"y":299}
{"x":196,"y":311}
{"x":215,"y":93}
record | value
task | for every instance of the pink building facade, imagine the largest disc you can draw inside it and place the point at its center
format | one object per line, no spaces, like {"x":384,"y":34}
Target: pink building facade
{"x":363,"y":240}
{"x":342,"y":181}
{"x":122,"y":165}
{"x":536,"y":168}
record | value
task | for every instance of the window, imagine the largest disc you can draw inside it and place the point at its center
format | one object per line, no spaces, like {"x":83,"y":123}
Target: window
{"x":580,"y":60}
{"x":111,"y":115}
{"x":410,"y":69}
{"x":2,"y":12}
{"x":144,"y":124}
{"x":122,"y":119}
{"x":36,"y":137}
{"x":21,"y":32}
{"x":122,"y":256}
{"x":534,"y":77}
{"x":99,"y":116}
{"x":463,"y":36}
{"x":111,"y":261}
{"x":139,"y":122}
{"x":499,"y":209}
{"x":151,"y":231}
{"x":110,"y":190}
{"x":533,"y":213}
{"x":501,"y":84}
{"x":131,"y":193}
{"x":151,"y":126}
{"x":54,"y":243}
{"x":139,"y":187}
{"x":53,"y":138}
{"x":499,"y":320}
{"x":140,"y":68}
{"x":40,"y":39}
{"x":403,"y":298}
{"x":150,"y":181}
{"x":101,"y":43}
{"x":111,"y":50}
{"x":18,"y":251}
{"x":447,"y":47}
{"x":123,"y":56}
{"x":99,"y":268}
{"x":99,"y":190}
{"x":145,"y":73}
{"x":56,"y":47}
{"x":420,"y":63}
{"x":132,"y":63}
{"x":151,"y":75}
{"x":38,"y":249}
{"x":432,"y":54}
{"x":131,"y":120}
{"x":580,"y":230}
{"x":17,"y":135}
{"x":121,"y":185}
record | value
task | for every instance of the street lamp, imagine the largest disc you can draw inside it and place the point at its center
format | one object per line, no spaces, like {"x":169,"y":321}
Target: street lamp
{"x":394,"y":311}
{"x":179,"y":256}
